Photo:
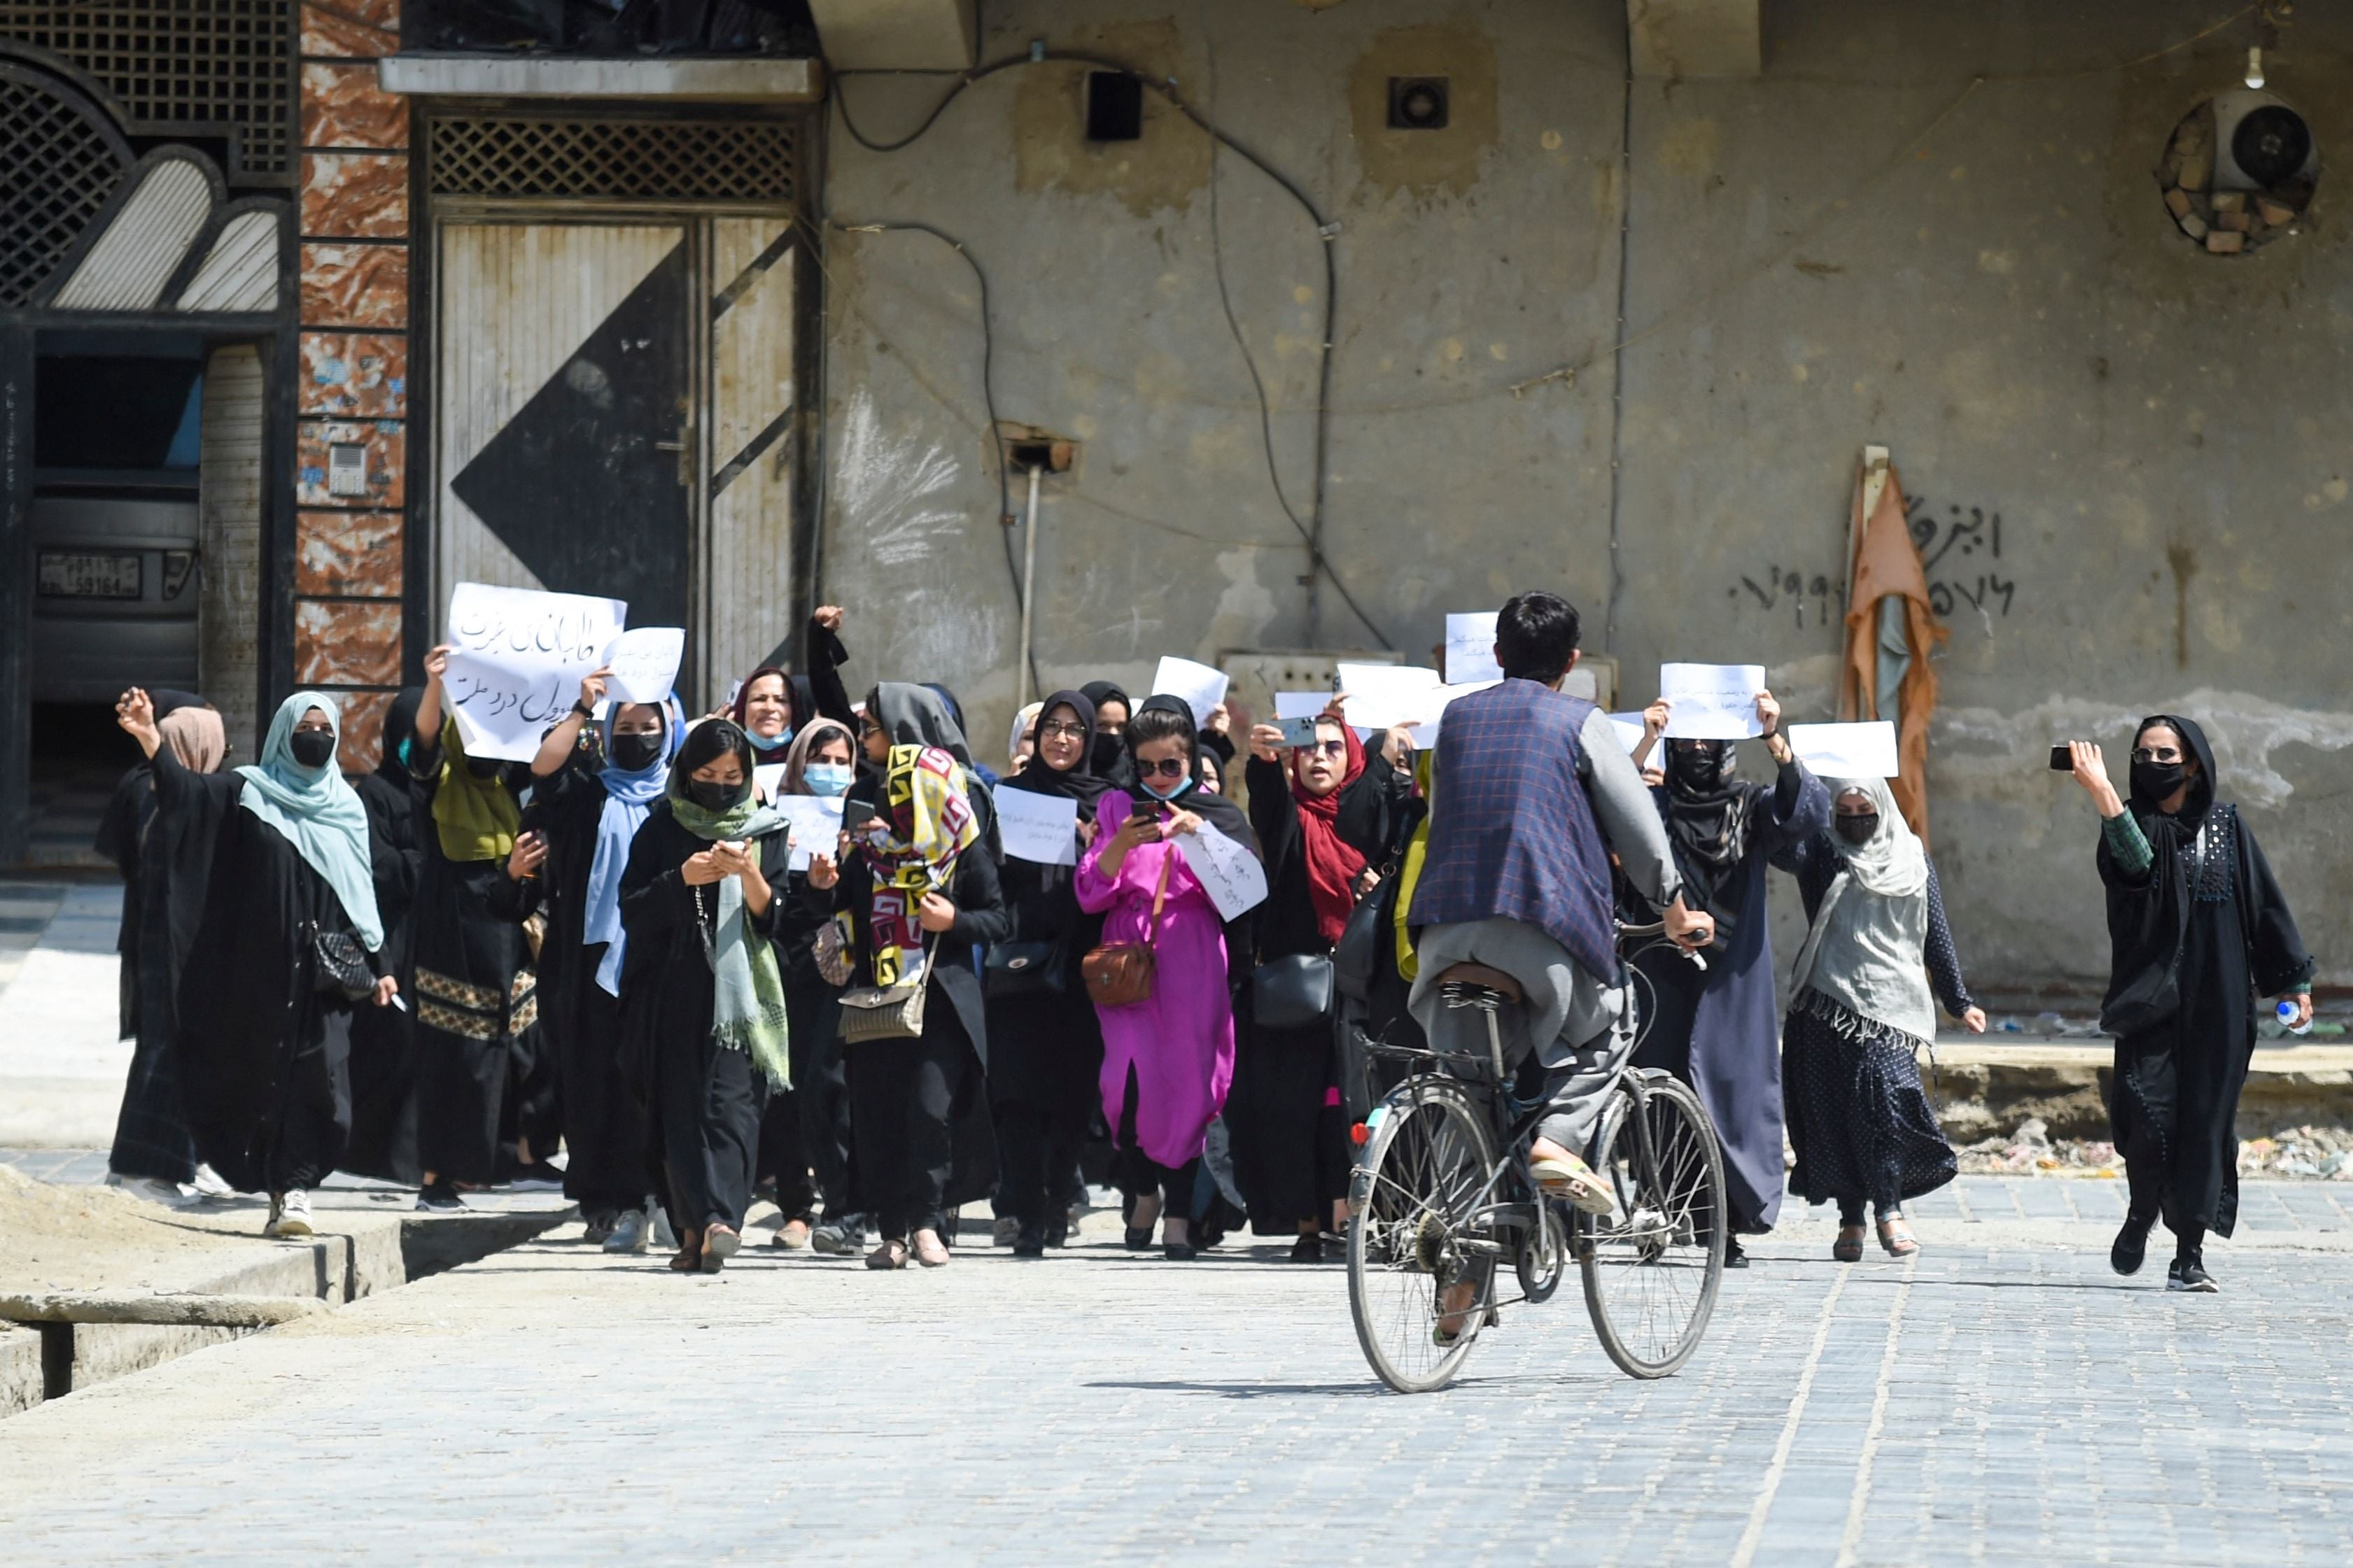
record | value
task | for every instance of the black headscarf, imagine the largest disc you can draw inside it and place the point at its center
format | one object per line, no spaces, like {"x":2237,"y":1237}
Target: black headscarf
{"x":1708,"y":812}
{"x":1081,"y":784}
{"x":1215,"y":810}
{"x":399,"y":725}
{"x":2173,"y":839}
{"x":166,"y":698}
{"x":915,"y":715}
{"x":1109,"y":755}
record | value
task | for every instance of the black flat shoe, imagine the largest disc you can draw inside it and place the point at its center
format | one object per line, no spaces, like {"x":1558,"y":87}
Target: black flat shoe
{"x":1179,"y":1252}
{"x":1307,"y":1249}
{"x":2131,"y":1248}
{"x":1058,"y":1232}
{"x":1139,"y":1240}
{"x":1030,"y":1242}
{"x":1735,"y":1255}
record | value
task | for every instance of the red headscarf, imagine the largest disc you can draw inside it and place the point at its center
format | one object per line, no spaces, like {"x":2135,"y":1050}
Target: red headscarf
{"x":1333,"y":864}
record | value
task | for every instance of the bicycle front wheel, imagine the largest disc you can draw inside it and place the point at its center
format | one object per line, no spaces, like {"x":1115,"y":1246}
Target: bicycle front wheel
{"x":1651,"y":1270}
{"x":1417,"y":1197}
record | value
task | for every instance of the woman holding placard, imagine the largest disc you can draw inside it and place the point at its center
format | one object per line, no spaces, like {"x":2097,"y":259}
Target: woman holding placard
{"x":1715,"y":1027}
{"x":703,"y":993}
{"x":1169,"y":1051}
{"x":483,"y":1075}
{"x":1045,"y":1043}
{"x":918,"y":888}
{"x":588,"y":818}
{"x":1877,"y":960}
{"x":1325,"y":817}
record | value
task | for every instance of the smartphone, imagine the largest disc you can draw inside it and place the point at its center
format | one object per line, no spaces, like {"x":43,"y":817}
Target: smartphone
{"x":1298,"y":732}
{"x":856,"y":815}
{"x":2062,"y":759}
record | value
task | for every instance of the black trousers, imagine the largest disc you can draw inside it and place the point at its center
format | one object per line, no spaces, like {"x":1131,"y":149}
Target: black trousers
{"x":902,"y":1095}
{"x":708,"y":1103}
{"x":1139,"y":1174}
{"x":804,"y":1136}
{"x":605,"y":1120}
{"x":305,"y":1140}
{"x":1043,"y":1097}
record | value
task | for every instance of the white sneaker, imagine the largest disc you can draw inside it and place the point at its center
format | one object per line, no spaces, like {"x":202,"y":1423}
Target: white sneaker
{"x":210,"y":1187}
{"x":664,"y":1238}
{"x":628,"y":1232}
{"x":150,"y":1188}
{"x":290,"y":1216}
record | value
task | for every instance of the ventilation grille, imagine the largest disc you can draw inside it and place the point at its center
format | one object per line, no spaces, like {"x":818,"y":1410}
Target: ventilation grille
{"x":222,"y":67}
{"x":58,"y":165}
{"x":632,"y":160}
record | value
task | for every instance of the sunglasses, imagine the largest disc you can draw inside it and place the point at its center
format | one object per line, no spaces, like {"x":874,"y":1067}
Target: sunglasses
{"x":1325,"y":748}
{"x":1168,"y":768}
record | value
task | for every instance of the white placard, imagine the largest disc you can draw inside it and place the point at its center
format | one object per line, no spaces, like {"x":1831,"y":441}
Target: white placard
{"x":1201,"y":687}
{"x":1712,"y":701}
{"x":1381,"y":695}
{"x":769,"y":779}
{"x":517,"y":657}
{"x":1042,"y":829}
{"x":1470,"y":647}
{"x":1630,"y":727}
{"x":1425,"y":735}
{"x":644,"y":661}
{"x":1864,"y":751}
{"x":817,"y":823}
{"x":1231,"y":874}
{"x":1300,"y":704}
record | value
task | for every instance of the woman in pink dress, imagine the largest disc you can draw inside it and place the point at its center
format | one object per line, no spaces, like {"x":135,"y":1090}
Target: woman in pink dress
{"x":1168,"y":1059}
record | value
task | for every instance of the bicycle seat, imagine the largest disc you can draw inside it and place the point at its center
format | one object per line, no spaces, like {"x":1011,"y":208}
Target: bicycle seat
{"x":1481,"y":975}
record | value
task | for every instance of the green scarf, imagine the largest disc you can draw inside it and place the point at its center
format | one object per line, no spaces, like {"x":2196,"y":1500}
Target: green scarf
{"x":476,"y":819}
{"x":747,"y":1011}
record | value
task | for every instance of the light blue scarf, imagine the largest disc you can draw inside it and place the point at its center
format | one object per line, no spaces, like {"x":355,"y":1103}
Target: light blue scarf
{"x":627,"y":796}
{"x":319,"y":813}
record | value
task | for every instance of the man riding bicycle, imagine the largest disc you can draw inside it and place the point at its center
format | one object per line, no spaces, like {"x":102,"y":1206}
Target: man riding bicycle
{"x":1533,"y":798}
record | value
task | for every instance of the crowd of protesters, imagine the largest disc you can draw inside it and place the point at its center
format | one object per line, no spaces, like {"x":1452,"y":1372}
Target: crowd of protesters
{"x":620,"y":970}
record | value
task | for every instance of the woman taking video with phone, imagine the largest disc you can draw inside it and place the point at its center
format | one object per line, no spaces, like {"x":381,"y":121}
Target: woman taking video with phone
{"x":2198,"y":930}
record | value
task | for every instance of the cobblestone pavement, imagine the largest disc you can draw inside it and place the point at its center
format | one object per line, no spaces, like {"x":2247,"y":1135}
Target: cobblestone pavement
{"x":2003,"y":1398}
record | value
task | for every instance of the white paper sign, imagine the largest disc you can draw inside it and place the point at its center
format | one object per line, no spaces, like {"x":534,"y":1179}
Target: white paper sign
{"x":1300,"y":704}
{"x":1043,"y":828}
{"x":817,"y":823}
{"x":1712,"y":701}
{"x":516,"y":662}
{"x":1864,"y":751}
{"x":1629,"y":729}
{"x":1425,"y":735}
{"x":1470,"y":647}
{"x":1201,"y":687}
{"x":1381,"y":695}
{"x":1230,"y":873}
{"x":644,"y":661}
{"x":769,"y":779}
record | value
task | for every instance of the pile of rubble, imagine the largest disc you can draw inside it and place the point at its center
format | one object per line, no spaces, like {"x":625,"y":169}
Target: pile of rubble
{"x":2304,"y":1153}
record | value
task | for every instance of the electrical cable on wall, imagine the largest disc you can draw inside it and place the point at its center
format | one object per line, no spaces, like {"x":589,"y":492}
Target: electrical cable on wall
{"x":1309,"y":531}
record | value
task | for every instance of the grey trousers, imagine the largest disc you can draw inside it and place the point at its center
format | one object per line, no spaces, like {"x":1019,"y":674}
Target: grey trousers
{"x":1572,"y":1022}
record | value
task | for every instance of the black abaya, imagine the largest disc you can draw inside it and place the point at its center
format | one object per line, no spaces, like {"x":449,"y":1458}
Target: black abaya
{"x":384,"y":1039}
{"x":267,"y":1087}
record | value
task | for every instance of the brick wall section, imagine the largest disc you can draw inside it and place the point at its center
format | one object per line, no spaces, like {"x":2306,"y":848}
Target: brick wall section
{"x":353,"y":387}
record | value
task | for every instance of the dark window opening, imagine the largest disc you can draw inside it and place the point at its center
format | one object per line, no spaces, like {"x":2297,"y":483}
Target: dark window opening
{"x":1418,"y":103}
{"x":1114,"y":107}
{"x":117,"y":414}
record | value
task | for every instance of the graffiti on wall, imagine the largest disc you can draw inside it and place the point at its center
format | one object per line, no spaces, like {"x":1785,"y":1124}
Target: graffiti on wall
{"x":1960,"y":551}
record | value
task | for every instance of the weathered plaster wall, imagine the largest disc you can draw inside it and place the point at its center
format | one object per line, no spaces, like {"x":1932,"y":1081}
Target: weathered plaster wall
{"x":1858,"y":246}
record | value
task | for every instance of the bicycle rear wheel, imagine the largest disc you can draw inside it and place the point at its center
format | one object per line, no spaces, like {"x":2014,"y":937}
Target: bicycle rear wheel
{"x":1415,"y":1197}
{"x":1651,"y":1270}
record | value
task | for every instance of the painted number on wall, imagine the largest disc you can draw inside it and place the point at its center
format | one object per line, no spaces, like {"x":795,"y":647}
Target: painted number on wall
{"x":1960,"y":552}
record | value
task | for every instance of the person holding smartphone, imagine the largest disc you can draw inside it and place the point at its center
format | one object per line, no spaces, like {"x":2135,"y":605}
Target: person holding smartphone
{"x":2197,"y":929}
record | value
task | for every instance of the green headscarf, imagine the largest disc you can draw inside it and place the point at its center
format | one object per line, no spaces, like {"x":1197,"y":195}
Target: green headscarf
{"x":747,"y":1011}
{"x":319,"y":813}
{"x":476,"y":819}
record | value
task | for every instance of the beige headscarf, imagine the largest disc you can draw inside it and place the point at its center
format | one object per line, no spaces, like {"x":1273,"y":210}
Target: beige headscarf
{"x":196,"y":738}
{"x":796,"y":760}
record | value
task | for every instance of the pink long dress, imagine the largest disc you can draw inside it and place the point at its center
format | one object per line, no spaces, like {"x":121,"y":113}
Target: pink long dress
{"x":1181,"y":1040}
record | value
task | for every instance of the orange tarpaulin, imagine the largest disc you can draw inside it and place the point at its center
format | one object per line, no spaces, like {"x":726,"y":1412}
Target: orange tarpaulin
{"x":1890,"y":629}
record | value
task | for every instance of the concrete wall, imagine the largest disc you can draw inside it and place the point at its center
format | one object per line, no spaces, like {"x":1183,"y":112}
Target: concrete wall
{"x":1858,"y":246}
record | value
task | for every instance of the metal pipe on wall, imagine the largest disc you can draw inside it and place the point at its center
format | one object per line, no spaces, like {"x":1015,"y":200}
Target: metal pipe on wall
{"x":1029,"y":581}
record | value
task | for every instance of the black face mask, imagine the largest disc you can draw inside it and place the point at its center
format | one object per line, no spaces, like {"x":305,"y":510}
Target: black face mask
{"x":1702,"y":765}
{"x":313,"y":748}
{"x":1108,"y":749}
{"x":635,"y":754}
{"x":713,"y":796}
{"x":2157,"y":781}
{"x":1857,"y":829}
{"x":484,"y":768}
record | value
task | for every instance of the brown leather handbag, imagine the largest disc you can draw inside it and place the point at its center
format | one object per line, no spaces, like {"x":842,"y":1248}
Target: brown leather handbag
{"x":1120,"y":974}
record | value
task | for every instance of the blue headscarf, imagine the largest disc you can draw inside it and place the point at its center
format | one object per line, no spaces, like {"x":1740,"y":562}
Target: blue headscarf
{"x":627,"y":796}
{"x":319,"y":813}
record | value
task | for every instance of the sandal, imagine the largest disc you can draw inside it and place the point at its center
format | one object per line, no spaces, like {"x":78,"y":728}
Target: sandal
{"x":891,"y":1254}
{"x":1848,"y":1248}
{"x":1895,"y":1235}
{"x":719,"y":1244}
{"x":793,"y":1236}
{"x":1566,"y":1176}
{"x":930,"y":1251}
{"x":690,"y":1252}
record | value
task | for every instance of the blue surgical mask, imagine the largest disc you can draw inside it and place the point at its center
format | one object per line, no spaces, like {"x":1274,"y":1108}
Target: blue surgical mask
{"x":1152,"y":788}
{"x":783,"y":737}
{"x":826,"y":778}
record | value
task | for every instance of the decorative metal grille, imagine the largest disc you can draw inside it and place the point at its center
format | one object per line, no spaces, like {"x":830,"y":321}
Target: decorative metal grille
{"x":59,"y":162}
{"x":642,"y":160}
{"x":212,"y":67}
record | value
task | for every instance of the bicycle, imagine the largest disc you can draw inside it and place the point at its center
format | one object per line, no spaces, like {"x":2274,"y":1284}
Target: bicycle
{"x":1437,"y":1207}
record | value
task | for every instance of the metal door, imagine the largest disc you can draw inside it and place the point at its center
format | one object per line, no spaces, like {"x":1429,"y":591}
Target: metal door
{"x":567,"y":457}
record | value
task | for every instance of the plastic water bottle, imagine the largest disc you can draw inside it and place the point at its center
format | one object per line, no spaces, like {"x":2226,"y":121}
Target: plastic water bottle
{"x":2287,"y":1012}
